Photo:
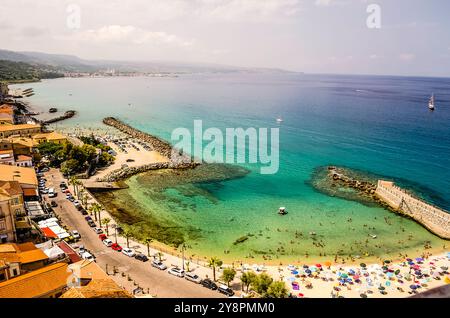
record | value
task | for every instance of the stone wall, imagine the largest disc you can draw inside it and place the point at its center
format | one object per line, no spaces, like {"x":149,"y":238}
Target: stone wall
{"x":433,"y":218}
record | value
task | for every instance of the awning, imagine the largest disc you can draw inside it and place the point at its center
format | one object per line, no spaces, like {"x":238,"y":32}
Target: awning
{"x":28,"y":192}
{"x":49,"y":233}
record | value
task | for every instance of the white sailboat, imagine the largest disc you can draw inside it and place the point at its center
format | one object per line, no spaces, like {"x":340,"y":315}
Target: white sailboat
{"x":431,"y":103}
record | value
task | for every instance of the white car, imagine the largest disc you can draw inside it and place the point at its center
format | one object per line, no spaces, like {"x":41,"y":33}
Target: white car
{"x":108,"y":242}
{"x":176,"y":272}
{"x":98,"y":230}
{"x":87,"y":256}
{"x":159,"y":265}
{"x":129,"y":252}
{"x":193,"y":278}
{"x":76,"y":235}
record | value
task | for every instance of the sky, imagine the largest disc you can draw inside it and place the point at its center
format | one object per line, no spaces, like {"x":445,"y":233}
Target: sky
{"x":412,"y":37}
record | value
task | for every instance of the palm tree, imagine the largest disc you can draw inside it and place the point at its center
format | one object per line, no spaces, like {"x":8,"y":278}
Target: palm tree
{"x":81,"y":193}
{"x":84,"y":199}
{"x":214,"y":262}
{"x":148,"y":241}
{"x":73,"y":180}
{"x":95,"y":208}
{"x":106,"y":222}
{"x":127,"y":233}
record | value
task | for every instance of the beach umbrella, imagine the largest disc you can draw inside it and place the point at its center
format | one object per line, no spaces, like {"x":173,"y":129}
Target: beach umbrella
{"x":301,"y":295}
{"x":344,"y":275}
{"x":387,"y":261}
{"x":444,"y":268}
{"x":397,"y":272}
{"x":413,"y":287}
{"x":318,"y":265}
{"x":294,"y":272}
{"x":308,"y":271}
{"x":305,"y":266}
{"x":381,"y":288}
{"x":363,"y":295}
{"x":409,"y":260}
{"x":327,"y":264}
{"x":363,"y":265}
{"x":419,"y":259}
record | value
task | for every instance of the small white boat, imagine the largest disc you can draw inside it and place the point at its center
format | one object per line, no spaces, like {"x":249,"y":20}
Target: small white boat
{"x":279,"y":120}
{"x":282,"y":211}
{"x":373,"y":236}
{"x":431,"y":103}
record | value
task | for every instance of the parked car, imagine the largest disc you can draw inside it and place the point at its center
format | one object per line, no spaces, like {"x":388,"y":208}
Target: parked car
{"x":107,"y":242}
{"x":76,"y":235}
{"x":98,"y":230}
{"x":175,"y":271}
{"x":159,"y":265}
{"x":83,"y":211}
{"x":141,"y":257}
{"x":193,"y":278}
{"x":82,"y":249}
{"x":129,"y":252}
{"x":53,"y":204}
{"x":88,"y":218}
{"x":116,"y":247}
{"x":209,"y":284}
{"x":224,"y":289}
{"x":87,"y":256}
{"x":92,"y":223}
{"x":102,"y":237}
{"x":53,"y":195}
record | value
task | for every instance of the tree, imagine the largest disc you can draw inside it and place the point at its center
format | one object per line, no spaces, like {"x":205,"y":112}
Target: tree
{"x":213,"y":263}
{"x":73,"y":180}
{"x":277,"y":290}
{"x":106,"y":222}
{"x":247,"y":279}
{"x":127,"y":233}
{"x":148,"y":241}
{"x":228,"y":275}
{"x":160,"y":255}
{"x":262,"y":283}
{"x":95,"y":208}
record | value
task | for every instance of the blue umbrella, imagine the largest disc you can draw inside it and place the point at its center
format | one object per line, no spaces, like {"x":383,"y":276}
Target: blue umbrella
{"x":414,"y":287}
{"x":308,"y":271}
{"x":294,"y":273}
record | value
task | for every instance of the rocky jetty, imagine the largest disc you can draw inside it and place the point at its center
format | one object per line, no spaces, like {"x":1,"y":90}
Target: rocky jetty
{"x":68,"y":114}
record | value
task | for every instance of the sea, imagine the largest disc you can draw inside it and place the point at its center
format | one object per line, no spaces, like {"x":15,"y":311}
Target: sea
{"x":378,"y":124}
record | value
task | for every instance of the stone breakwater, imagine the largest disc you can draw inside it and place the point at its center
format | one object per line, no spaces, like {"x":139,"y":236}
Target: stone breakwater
{"x":397,"y":200}
{"x":433,"y":218}
{"x":159,"y":145}
{"x":68,"y":114}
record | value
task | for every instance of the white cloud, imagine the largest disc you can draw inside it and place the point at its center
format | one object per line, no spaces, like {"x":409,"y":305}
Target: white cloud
{"x":131,"y":35}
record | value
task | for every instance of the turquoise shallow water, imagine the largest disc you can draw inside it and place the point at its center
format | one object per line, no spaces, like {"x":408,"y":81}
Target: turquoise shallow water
{"x":376,"y":124}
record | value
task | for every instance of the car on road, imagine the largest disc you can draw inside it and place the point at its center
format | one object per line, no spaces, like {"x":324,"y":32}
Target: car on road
{"x":129,"y":252}
{"x":87,"y":256}
{"x":224,"y":289}
{"x":76,"y":235}
{"x":83,"y":211}
{"x":159,"y":265}
{"x":53,"y":204}
{"x":209,"y":284}
{"x":193,"y":278}
{"x":91,"y":223}
{"x":107,"y":242}
{"x":53,"y":195}
{"x":88,"y":218}
{"x":116,"y":247}
{"x":141,"y":257}
{"x":44,"y":191}
{"x":175,"y":271}
{"x":98,"y":230}
{"x":102,"y":237}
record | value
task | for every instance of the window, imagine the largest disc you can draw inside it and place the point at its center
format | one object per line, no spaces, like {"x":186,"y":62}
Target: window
{"x":15,"y":272}
{"x":2,"y":225}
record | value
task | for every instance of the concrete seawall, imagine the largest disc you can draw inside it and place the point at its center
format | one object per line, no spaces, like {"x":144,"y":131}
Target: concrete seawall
{"x":434,"y":219}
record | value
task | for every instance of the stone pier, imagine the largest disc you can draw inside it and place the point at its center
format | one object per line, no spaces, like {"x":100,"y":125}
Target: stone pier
{"x":433,"y":218}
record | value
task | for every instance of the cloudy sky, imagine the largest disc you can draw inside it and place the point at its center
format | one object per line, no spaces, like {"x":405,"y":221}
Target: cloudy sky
{"x":320,"y":36}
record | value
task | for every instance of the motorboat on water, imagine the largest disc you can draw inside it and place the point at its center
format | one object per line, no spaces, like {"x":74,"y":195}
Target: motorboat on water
{"x":282,"y":211}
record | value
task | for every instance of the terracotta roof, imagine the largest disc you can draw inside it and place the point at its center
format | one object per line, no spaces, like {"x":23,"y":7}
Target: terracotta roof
{"x":27,"y":142}
{"x":23,"y":175}
{"x":18,"y":127}
{"x":74,"y":257}
{"x":37,"y":283}
{"x":30,"y":193}
{"x":11,"y":187}
{"x":99,"y":288}
{"x":32,"y":256}
{"x":23,"y":158}
{"x":86,"y":269}
{"x":10,"y":257}
{"x":49,"y":136}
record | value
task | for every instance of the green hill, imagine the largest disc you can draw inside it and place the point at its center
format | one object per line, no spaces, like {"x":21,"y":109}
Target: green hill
{"x":23,"y":72}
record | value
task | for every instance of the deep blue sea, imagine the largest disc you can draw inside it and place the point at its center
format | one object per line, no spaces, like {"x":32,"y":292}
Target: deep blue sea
{"x":373,"y":123}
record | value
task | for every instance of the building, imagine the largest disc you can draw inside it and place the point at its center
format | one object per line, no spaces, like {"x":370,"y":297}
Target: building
{"x":7,"y":157}
{"x":6,"y":119}
{"x":47,"y":282}
{"x":22,"y":145}
{"x":7,"y":109}
{"x":23,"y":130}
{"x":23,"y":161}
{"x":50,"y":137}
{"x":11,"y":206}
{"x":92,"y":282}
{"x":25,"y":176}
{"x":19,"y":259}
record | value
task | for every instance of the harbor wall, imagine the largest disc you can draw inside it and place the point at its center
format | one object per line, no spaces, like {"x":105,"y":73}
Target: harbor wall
{"x":433,"y":218}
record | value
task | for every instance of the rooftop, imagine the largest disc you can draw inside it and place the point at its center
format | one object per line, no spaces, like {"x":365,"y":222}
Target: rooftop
{"x":99,"y":288}
{"x":37,"y":283}
{"x":23,"y":175}
{"x":18,"y":127}
{"x":49,"y":136}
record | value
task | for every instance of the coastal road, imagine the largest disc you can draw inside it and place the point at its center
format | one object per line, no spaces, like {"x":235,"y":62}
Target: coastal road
{"x":160,"y":283}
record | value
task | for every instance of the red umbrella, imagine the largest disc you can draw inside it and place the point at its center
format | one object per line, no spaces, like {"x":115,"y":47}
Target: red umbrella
{"x":301,"y":295}
{"x":318,"y":265}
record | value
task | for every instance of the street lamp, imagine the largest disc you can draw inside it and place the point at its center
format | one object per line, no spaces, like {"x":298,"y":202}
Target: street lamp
{"x":183,"y":248}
